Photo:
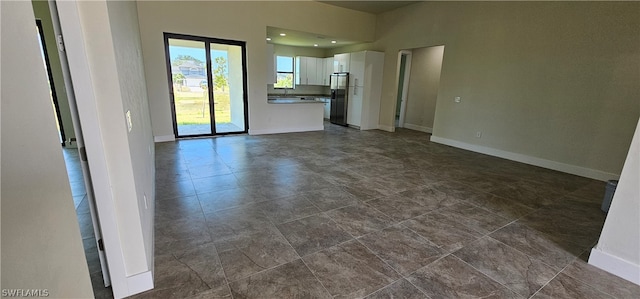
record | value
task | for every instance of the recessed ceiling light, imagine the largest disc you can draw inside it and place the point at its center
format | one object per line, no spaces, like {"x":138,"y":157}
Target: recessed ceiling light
{"x":283,"y":34}
{"x":315,"y":45}
{"x":333,"y":42}
{"x":268,"y":38}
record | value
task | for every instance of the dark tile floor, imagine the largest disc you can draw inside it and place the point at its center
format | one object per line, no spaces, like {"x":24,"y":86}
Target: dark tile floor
{"x":350,"y":214}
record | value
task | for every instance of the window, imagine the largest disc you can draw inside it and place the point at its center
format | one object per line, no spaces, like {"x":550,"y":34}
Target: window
{"x":284,"y":72}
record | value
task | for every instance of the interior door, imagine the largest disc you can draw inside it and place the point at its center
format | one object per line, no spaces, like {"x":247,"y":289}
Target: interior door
{"x":80,"y":142}
{"x":207,"y":84}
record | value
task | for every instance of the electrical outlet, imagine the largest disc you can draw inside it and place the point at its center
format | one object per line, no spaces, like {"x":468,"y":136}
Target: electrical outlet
{"x":479,"y":134}
{"x":146,"y":206}
{"x":457,"y":99}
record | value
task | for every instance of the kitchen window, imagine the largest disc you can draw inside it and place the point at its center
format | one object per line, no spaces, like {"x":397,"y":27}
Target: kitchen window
{"x":284,"y":72}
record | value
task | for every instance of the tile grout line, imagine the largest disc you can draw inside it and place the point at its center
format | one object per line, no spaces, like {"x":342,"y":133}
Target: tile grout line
{"x":399,"y":223}
{"x":484,"y":274}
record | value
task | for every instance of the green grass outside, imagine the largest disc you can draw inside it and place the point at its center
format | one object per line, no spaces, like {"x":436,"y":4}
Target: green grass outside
{"x":192,"y":108}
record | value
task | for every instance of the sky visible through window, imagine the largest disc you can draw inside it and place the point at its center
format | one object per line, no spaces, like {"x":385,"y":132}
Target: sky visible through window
{"x":197,"y":53}
{"x":284,"y":64}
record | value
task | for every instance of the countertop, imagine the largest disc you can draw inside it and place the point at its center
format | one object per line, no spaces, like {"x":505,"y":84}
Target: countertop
{"x":297,"y":100}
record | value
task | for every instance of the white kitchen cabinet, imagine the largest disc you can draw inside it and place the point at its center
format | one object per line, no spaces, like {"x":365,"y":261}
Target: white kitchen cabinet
{"x":301,"y":71}
{"x":271,"y":65}
{"x":341,"y":62}
{"x":365,"y":89}
{"x":328,"y":70}
{"x":354,"y":106}
{"x":357,"y":66}
{"x":306,"y":71}
{"x":320,"y":80}
{"x":327,"y":108}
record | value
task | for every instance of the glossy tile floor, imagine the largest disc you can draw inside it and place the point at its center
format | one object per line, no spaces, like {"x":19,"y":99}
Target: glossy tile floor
{"x":350,"y":214}
{"x":79,"y":193}
{"x":206,"y":129}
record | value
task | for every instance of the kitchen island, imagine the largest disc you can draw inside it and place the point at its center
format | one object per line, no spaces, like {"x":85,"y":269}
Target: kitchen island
{"x":289,"y":114}
{"x":296,"y":100}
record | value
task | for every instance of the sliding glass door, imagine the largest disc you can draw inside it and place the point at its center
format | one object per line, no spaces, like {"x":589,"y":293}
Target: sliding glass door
{"x":207,"y":82}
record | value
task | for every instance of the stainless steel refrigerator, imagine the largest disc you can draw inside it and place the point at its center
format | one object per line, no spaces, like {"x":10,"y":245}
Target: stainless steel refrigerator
{"x":339,"y":98}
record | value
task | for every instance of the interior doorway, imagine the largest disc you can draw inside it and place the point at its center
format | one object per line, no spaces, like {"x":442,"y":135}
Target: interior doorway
{"x":419,"y":72}
{"x":404,"y":72}
{"x":207,"y":84}
{"x":52,"y":89}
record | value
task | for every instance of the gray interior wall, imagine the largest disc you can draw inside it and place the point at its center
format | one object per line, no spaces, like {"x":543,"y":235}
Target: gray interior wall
{"x":128,"y":54}
{"x":424,"y":81}
{"x":549,"y":80}
{"x":41,"y":11}
{"x":41,"y":242}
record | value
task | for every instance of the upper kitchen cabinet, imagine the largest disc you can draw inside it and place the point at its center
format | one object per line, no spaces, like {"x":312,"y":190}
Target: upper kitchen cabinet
{"x":271,"y":64}
{"x":306,"y":70}
{"x":320,"y":71}
{"x":365,"y":89}
{"x":341,"y":62}
{"x":328,"y":70}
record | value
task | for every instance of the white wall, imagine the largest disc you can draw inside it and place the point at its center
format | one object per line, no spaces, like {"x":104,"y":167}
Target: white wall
{"x":422,"y":93}
{"x":244,"y":21}
{"x":618,"y":250}
{"x":123,"y":18}
{"x":41,"y":243}
{"x":545,"y":82}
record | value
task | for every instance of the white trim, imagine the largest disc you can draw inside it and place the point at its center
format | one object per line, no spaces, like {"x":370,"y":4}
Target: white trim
{"x":386,"y":128}
{"x":140,"y":282}
{"x":615,"y":265}
{"x":418,"y":128}
{"x":164,"y":138}
{"x":285,"y":130}
{"x":572,"y":169}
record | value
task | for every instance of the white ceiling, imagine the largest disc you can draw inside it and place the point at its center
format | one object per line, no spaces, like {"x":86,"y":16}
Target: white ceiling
{"x":309,"y":39}
{"x":305,"y":39}
{"x":374,"y":7}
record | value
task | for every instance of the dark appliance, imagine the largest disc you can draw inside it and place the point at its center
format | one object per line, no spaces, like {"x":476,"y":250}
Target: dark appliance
{"x":339,"y":98}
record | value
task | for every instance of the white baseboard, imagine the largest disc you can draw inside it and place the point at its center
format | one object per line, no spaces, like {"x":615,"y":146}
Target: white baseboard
{"x":164,"y":138}
{"x":572,"y":169}
{"x":140,"y":282}
{"x":285,"y":130}
{"x":418,"y":128}
{"x":386,"y":128}
{"x":615,"y":265}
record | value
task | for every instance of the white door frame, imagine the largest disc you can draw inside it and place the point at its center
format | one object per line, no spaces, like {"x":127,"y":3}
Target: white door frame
{"x":123,"y":285}
{"x":405,"y":85}
{"x":77,"y":126}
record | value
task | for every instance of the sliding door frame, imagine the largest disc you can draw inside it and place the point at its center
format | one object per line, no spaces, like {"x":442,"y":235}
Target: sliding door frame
{"x":207,"y":44}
